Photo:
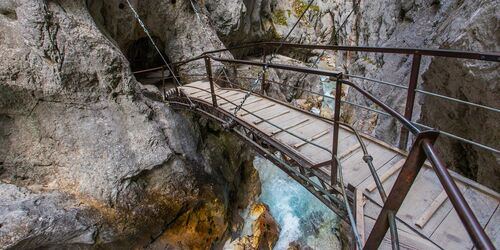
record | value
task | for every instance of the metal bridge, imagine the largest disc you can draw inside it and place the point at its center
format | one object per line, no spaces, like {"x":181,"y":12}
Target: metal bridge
{"x":391,"y":197}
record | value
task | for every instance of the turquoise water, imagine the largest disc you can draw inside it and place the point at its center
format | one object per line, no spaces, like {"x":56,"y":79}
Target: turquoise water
{"x":300,"y":215}
{"x":328,"y":89}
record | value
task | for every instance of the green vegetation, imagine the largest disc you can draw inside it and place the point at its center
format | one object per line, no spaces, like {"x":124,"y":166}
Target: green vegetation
{"x":368,"y":60}
{"x":279,"y":17}
{"x":299,"y":6}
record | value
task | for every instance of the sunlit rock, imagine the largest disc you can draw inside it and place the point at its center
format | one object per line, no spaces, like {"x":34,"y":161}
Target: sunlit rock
{"x":265,"y":231}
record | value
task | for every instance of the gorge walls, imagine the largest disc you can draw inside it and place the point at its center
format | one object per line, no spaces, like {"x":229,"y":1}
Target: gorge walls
{"x":88,"y":160}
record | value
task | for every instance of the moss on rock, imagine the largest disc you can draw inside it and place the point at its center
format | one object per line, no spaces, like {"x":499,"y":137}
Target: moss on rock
{"x":299,"y":6}
{"x":280,"y":18}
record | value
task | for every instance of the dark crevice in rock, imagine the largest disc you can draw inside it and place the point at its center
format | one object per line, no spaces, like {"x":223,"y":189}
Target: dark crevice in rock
{"x":143,"y":55}
{"x":181,"y":212}
{"x":9,"y":13}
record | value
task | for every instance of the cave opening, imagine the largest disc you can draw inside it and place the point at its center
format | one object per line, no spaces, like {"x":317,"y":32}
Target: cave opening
{"x":142,"y":55}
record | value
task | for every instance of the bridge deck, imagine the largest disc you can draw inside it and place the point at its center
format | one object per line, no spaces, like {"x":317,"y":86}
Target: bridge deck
{"x":426,"y":209}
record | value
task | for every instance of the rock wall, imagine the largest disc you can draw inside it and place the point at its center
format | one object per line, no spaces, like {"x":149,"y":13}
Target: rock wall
{"x":239,"y":21}
{"x":86,"y":160}
{"x":461,"y":25}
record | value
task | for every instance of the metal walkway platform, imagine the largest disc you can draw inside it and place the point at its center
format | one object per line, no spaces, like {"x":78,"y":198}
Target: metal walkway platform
{"x":430,"y":225}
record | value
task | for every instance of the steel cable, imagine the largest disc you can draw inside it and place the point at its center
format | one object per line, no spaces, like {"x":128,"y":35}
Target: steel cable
{"x":264,"y":70}
{"x":136,"y":15}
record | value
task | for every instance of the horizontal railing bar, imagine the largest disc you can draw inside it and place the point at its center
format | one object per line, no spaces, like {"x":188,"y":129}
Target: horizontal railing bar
{"x":483,"y":56}
{"x":377,"y":81}
{"x":161,"y":68}
{"x":280,"y":66}
{"x":274,"y":82}
{"x":458,"y":100}
{"x":244,"y":46}
{"x":289,"y":86}
{"x":171,"y":76}
{"x":149,"y":70}
{"x":461,"y":139}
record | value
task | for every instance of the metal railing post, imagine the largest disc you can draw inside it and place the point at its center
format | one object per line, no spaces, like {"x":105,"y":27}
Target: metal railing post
{"x":336,"y":128}
{"x":469,"y":220}
{"x":410,"y":98}
{"x":208,"y":65}
{"x":175,"y":69}
{"x":263,"y":83}
{"x":163,"y":83}
{"x":400,"y":189}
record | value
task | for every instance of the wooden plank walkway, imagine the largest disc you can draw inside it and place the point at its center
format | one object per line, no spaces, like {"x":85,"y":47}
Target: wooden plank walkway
{"x":426,"y":209}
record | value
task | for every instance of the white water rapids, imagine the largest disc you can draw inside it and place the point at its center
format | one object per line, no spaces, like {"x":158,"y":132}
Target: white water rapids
{"x":300,"y":215}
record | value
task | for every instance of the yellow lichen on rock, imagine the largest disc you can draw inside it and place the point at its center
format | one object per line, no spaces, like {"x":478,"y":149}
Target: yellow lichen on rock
{"x":199,"y":228}
{"x":308,"y":103}
{"x":303,"y":104}
{"x":265,"y":230}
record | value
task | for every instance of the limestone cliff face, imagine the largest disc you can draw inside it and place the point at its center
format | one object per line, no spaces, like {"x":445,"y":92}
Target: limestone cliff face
{"x":86,"y":160}
{"x":449,"y":24}
{"x":238,"y":21}
{"x":461,"y":25}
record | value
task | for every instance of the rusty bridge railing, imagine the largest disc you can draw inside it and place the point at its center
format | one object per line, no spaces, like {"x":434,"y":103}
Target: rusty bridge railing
{"x":422,"y":148}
